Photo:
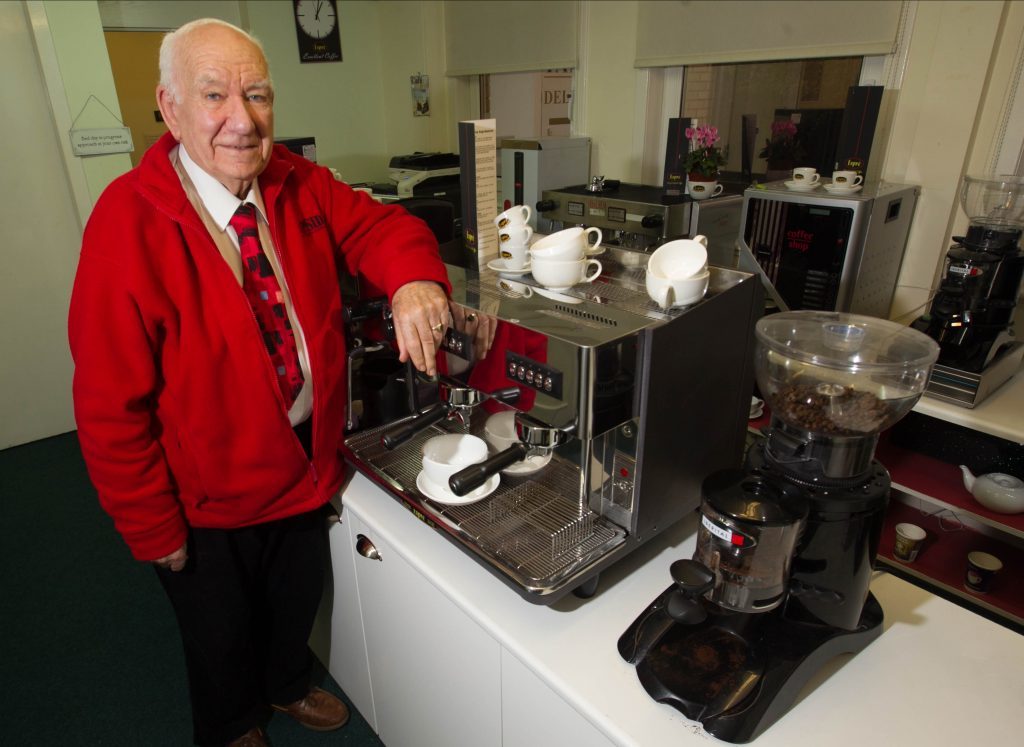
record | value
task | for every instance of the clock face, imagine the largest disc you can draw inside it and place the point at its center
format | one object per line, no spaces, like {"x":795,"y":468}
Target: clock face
{"x":315,"y":17}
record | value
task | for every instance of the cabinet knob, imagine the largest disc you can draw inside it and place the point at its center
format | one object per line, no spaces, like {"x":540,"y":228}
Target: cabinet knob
{"x":366,"y":548}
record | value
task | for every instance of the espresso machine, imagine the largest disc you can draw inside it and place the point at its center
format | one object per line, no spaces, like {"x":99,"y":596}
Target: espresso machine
{"x":620,"y":409}
{"x":972,"y":311}
{"x":778,"y":583}
{"x":641,"y":217}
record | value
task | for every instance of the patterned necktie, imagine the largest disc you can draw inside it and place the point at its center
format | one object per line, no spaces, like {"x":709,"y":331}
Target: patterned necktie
{"x":264,"y":294}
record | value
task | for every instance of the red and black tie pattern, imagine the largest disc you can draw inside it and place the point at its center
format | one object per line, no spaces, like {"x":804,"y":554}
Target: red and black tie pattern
{"x":264,"y":294}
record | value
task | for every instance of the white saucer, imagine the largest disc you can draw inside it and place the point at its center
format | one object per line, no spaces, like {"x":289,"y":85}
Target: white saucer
{"x":755,"y":414}
{"x":801,"y":186}
{"x":838,"y":190}
{"x":529,"y":465}
{"x":499,"y":267}
{"x":447,"y":497}
{"x":556,"y":294}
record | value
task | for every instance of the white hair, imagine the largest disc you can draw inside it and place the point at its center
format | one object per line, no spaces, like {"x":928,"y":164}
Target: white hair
{"x":169,"y":49}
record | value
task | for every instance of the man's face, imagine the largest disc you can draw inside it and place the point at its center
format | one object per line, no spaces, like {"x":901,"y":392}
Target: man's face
{"x":225,"y":118}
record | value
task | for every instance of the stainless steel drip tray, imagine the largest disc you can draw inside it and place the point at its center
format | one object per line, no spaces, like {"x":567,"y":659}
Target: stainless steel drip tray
{"x":529,"y":531}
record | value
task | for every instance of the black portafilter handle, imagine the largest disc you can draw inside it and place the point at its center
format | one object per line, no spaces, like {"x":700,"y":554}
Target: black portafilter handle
{"x":409,"y":427}
{"x":692,"y":580}
{"x":507,"y":395}
{"x":475,"y":475}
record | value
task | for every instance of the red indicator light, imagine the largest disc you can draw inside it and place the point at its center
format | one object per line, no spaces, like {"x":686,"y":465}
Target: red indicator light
{"x":508,"y":204}
{"x":737,"y":539}
{"x":623,"y":472}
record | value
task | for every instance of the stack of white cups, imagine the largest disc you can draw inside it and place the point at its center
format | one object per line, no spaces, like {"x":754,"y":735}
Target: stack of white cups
{"x":559,"y":260}
{"x":514,"y":234}
{"x":677,"y":272}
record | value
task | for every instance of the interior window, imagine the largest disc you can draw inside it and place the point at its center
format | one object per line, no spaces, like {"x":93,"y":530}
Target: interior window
{"x":743,"y":101}
{"x":528,"y":105}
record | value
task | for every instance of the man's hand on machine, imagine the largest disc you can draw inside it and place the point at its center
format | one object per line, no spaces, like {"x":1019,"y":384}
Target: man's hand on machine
{"x":420,"y":314}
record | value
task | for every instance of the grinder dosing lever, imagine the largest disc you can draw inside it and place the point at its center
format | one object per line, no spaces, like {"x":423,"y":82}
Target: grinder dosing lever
{"x":457,"y":401}
{"x":535,"y":438}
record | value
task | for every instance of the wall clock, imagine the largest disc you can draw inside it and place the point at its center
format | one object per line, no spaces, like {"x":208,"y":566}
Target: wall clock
{"x":316,"y":28}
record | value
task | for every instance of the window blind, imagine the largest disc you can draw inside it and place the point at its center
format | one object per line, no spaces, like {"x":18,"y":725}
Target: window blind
{"x":728,"y":31}
{"x":509,"y":37}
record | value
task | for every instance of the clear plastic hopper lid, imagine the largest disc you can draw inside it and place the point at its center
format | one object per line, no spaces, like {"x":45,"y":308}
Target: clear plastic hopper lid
{"x":840,"y":374}
{"x":996,"y":201}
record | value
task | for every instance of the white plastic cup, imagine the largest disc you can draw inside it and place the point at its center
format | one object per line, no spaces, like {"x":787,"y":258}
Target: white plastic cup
{"x":909,"y":538}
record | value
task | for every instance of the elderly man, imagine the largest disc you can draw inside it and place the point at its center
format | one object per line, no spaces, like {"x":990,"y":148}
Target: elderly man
{"x":207,"y":332}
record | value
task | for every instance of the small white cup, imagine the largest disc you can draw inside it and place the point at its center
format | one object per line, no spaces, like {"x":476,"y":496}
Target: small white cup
{"x":679,"y":259}
{"x":500,"y":430}
{"x":443,"y":456}
{"x":806,"y":175}
{"x":575,"y":235}
{"x":515,"y":215}
{"x":561,"y":275}
{"x":515,"y":234}
{"x":680,"y":292}
{"x":514,"y":255}
{"x":848,"y":179}
{"x":703,"y":190}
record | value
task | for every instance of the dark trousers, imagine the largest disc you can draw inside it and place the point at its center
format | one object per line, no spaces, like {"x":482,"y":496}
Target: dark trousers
{"x":245,"y":604}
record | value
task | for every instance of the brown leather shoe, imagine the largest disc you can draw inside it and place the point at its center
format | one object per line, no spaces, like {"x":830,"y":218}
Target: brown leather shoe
{"x":252,"y":738}
{"x":319,"y":711}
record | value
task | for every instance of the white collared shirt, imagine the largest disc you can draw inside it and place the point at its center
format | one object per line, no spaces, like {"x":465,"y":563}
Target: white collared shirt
{"x":220,"y":205}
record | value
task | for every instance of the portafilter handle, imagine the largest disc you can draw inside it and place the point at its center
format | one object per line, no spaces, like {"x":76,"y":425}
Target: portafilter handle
{"x":472,"y":477}
{"x":408,"y":427}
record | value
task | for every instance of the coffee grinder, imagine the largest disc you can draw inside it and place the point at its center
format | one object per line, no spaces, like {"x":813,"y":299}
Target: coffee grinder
{"x":971,"y":314}
{"x":778,"y":583}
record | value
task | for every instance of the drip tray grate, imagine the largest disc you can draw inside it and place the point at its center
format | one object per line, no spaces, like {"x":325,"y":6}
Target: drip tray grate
{"x":531,"y":524}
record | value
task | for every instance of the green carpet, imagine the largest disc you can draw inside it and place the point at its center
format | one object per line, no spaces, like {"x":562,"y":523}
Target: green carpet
{"x":89,"y":650}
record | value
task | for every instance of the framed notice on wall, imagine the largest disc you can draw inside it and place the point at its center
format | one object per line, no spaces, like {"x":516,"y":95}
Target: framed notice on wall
{"x":317,"y":32}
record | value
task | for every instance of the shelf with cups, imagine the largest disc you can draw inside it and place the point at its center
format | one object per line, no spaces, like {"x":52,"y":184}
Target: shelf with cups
{"x":930,"y":494}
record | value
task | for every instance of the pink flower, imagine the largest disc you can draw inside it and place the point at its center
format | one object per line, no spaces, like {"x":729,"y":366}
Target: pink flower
{"x":689,"y":133}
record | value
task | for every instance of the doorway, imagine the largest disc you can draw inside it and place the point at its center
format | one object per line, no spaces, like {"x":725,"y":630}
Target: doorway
{"x":134,"y":57}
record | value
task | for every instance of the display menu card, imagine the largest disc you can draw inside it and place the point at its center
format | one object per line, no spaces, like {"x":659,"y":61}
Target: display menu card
{"x":479,"y":181}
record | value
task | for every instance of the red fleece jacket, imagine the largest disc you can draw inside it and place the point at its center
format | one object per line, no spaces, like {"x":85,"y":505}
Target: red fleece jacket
{"x":179,"y":414}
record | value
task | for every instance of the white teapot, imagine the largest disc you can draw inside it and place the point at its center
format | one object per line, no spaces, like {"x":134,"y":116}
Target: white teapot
{"x":996,"y":491}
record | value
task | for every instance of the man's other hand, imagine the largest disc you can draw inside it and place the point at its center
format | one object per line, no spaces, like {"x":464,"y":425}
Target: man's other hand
{"x":175,"y":561}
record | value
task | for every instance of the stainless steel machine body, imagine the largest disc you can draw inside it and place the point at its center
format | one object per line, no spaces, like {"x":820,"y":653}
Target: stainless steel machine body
{"x":651,"y":401}
{"x":641,"y":217}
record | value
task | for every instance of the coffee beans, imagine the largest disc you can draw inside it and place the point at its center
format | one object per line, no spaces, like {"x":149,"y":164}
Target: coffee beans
{"x":831,"y":409}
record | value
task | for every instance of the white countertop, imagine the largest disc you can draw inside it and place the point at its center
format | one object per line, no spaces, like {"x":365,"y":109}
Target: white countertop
{"x":938,"y":675}
{"x":1000,"y":414}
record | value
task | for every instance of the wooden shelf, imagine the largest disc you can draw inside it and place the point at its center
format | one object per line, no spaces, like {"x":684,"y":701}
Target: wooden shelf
{"x":942,"y":561}
{"x":940,"y":484}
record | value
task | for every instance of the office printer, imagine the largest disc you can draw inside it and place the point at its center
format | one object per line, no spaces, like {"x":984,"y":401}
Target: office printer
{"x":420,"y":175}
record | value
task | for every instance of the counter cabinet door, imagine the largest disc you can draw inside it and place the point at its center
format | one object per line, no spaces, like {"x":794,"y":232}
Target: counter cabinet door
{"x":435,"y":673}
{"x":337,"y":638}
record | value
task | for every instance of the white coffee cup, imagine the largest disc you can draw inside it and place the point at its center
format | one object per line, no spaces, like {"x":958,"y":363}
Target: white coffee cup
{"x":580,"y":237}
{"x":703,"y":190}
{"x":514,"y":288}
{"x":514,"y":255}
{"x":443,"y":456}
{"x":848,"y":179}
{"x":679,"y":259}
{"x":515,"y":215}
{"x":561,"y":275}
{"x":669,"y":293}
{"x":515,"y":234}
{"x":500,"y":430}
{"x":806,"y":175}
{"x":564,"y":252}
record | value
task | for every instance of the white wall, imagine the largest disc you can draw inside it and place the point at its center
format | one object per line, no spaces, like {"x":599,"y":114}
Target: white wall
{"x":40,"y":246}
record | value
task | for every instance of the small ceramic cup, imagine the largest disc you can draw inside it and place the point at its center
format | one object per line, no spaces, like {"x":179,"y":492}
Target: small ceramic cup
{"x":806,"y":175}
{"x":515,"y":215}
{"x":703,"y":190}
{"x":515,"y":234}
{"x":681,"y":258}
{"x":669,"y":293}
{"x":443,"y":456}
{"x":514,"y":255}
{"x":847,"y":179}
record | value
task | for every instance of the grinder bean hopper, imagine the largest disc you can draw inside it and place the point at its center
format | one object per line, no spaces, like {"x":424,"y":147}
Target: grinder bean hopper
{"x":778,"y":584}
